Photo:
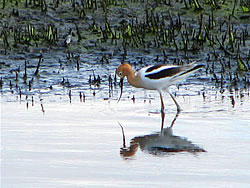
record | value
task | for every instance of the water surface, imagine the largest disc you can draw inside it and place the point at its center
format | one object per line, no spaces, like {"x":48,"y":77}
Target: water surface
{"x":78,"y":144}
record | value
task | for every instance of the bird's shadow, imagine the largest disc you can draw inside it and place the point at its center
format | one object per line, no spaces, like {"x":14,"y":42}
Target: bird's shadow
{"x":161,"y":143}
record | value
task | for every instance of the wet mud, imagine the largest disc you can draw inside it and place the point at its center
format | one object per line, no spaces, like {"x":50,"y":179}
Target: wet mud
{"x":47,"y":46}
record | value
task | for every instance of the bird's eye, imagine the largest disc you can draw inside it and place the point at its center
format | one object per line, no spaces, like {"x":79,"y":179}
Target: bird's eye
{"x":120,"y":73}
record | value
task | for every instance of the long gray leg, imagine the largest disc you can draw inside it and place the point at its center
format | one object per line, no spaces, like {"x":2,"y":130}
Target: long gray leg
{"x":162,"y":112}
{"x":175,"y":118}
{"x":176,"y":103}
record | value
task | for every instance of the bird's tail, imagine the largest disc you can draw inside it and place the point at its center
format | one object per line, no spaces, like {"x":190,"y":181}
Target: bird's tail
{"x":186,"y":71}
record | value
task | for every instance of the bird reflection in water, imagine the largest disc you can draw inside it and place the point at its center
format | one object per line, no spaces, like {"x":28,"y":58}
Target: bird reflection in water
{"x":159,"y":143}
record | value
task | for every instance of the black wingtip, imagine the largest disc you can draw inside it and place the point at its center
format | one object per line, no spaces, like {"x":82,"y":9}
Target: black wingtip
{"x":194,"y":68}
{"x":199,"y":66}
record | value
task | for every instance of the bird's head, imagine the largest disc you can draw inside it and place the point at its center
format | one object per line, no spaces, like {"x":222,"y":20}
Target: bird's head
{"x":123,"y":70}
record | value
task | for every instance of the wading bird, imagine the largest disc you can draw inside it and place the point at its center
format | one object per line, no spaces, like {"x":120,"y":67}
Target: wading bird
{"x":156,"y":77}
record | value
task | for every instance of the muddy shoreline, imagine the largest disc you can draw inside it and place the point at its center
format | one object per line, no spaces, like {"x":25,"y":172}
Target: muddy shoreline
{"x":79,"y":44}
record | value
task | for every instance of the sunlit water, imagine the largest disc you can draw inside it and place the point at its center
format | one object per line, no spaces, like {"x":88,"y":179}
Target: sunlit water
{"x":55,"y":143}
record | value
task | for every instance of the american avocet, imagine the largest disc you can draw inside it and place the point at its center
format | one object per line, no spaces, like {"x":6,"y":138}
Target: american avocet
{"x":156,"y":77}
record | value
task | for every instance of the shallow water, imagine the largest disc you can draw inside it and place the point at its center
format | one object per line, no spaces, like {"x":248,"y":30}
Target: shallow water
{"x":55,"y":143}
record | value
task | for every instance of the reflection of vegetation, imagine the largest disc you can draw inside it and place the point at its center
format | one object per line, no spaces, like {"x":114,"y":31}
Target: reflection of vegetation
{"x":218,"y":30}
